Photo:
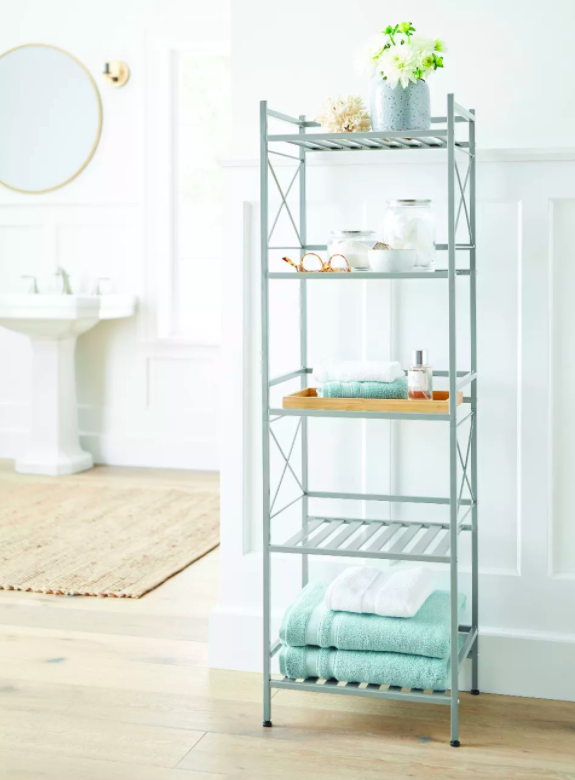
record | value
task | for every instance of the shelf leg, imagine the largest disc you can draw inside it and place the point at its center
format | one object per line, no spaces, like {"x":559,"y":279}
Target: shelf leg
{"x":267,"y":705}
{"x":303,"y":352}
{"x":474,"y":513}
{"x":264,"y":218}
{"x":453,"y":508}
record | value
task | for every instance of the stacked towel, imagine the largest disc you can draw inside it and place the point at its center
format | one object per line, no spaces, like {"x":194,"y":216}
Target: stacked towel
{"x":395,"y":389}
{"x":409,"y":652}
{"x":407,"y":671}
{"x":391,"y":594}
{"x":309,"y":622}
{"x":360,"y":379}
{"x":357,"y":371}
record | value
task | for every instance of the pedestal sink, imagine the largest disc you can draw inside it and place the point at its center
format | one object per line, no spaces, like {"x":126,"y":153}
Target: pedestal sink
{"x":53,"y":323}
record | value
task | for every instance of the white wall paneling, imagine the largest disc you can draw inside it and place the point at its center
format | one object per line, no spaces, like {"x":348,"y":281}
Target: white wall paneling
{"x":528,"y":625}
{"x":144,"y":397}
{"x":562,"y":369}
{"x":166,"y":214}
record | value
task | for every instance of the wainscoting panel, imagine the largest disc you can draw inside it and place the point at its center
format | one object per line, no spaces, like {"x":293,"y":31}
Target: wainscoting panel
{"x":562,"y":375}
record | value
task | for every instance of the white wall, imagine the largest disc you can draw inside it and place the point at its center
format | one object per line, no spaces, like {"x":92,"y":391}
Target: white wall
{"x":145,"y":397}
{"x":525,"y":236}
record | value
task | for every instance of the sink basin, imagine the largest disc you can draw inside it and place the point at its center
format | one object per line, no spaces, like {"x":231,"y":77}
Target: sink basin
{"x":61,"y":316}
{"x":49,"y":316}
{"x":52,"y":323}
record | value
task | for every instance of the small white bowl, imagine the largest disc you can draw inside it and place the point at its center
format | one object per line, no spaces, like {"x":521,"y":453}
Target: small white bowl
{"x":392,"y":260}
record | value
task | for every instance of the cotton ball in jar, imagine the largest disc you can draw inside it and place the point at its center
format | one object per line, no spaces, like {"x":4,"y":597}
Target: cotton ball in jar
{"x":398,"y":230}
{"x":424,"y":241}
{"x":410,"y":224}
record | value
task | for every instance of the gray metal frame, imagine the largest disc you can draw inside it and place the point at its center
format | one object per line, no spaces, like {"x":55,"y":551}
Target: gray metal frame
{"x":360,"y":537}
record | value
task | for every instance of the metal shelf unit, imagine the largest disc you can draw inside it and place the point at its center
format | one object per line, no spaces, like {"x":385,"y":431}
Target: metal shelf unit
{"x":359,"y":537}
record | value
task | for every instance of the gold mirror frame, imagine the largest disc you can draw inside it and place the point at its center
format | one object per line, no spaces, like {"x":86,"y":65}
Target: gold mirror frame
{"x":98,"y":131}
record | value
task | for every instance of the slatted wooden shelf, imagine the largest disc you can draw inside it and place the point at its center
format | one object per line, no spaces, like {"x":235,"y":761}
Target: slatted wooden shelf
{"x":318,"y":685}
{"x":365,"y":141}
{"x":366,"y":538}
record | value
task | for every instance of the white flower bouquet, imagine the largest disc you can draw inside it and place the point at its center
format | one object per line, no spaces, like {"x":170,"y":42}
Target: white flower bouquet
{"x":399,"y":55}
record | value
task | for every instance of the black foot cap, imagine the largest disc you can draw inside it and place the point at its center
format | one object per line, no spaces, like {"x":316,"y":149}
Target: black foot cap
{"x":267,"y":724}
{"x":474,"y":692}
{"x":455,"y":743}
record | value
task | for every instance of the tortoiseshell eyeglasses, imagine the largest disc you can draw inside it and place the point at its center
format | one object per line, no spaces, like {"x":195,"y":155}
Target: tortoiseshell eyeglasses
{"x":324,"y":268}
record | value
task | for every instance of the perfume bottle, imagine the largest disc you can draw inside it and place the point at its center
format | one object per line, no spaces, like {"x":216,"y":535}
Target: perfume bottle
{"x":420,"y":377}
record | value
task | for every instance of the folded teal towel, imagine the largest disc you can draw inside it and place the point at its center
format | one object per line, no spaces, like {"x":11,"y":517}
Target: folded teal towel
{"x":396,"y":389}
{"x":309,"y":622}
{"x":407,"y":671}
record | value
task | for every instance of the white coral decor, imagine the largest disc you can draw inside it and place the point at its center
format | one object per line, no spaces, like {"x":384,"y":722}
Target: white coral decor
{"x":344,"y":115}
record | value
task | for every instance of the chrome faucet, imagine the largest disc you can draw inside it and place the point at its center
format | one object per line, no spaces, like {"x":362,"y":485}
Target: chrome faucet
{"x":66,"y":289}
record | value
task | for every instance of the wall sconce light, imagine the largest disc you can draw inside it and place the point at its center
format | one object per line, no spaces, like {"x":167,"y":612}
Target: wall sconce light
{"x":116,"y":73}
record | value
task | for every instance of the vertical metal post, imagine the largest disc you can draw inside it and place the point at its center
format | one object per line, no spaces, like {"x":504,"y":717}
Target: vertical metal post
{"x":265,"y":407}
{"x":473,"y":313}
{"x":452,"y":424}
{"x":303,"y":348}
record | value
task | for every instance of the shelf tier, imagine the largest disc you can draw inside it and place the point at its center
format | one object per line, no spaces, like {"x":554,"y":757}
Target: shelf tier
{"x":317,"y":685}
{"x":281,"y":412}
{"x":367,"y":538}
{"x":367,"y":141}
{"x":311,"y":275}
{"x":323,"y":248}
{"x":465,"y":376}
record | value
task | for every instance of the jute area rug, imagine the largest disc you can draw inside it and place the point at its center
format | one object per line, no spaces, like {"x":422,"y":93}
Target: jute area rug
{"x":95,"y":540}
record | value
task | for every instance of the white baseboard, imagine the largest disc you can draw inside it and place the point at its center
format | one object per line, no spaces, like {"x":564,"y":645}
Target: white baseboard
{"x":194,"y":454}
{"x":514,"y":664}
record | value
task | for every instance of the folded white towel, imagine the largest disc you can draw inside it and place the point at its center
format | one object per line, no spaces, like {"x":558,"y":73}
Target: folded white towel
{"x":368,"y":590}
{"x":357,"y":371}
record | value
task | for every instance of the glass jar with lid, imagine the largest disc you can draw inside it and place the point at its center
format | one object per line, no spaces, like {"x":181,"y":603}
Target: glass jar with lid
{"x":353,"y":245}
{"x":410,"y":224}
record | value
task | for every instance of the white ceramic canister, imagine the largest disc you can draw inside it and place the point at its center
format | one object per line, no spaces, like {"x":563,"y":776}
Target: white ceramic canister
{"x":410,"y":224}
{"x":354,"y":245}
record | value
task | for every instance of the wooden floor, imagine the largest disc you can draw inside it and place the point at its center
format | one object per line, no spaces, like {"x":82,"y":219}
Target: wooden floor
{"x":105,"y":689}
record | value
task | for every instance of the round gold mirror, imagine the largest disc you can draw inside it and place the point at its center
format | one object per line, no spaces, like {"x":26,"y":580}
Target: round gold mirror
{"x":50,"y":118}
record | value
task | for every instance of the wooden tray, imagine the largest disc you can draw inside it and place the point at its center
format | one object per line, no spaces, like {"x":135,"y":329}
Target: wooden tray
{"x":308,"y":399}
